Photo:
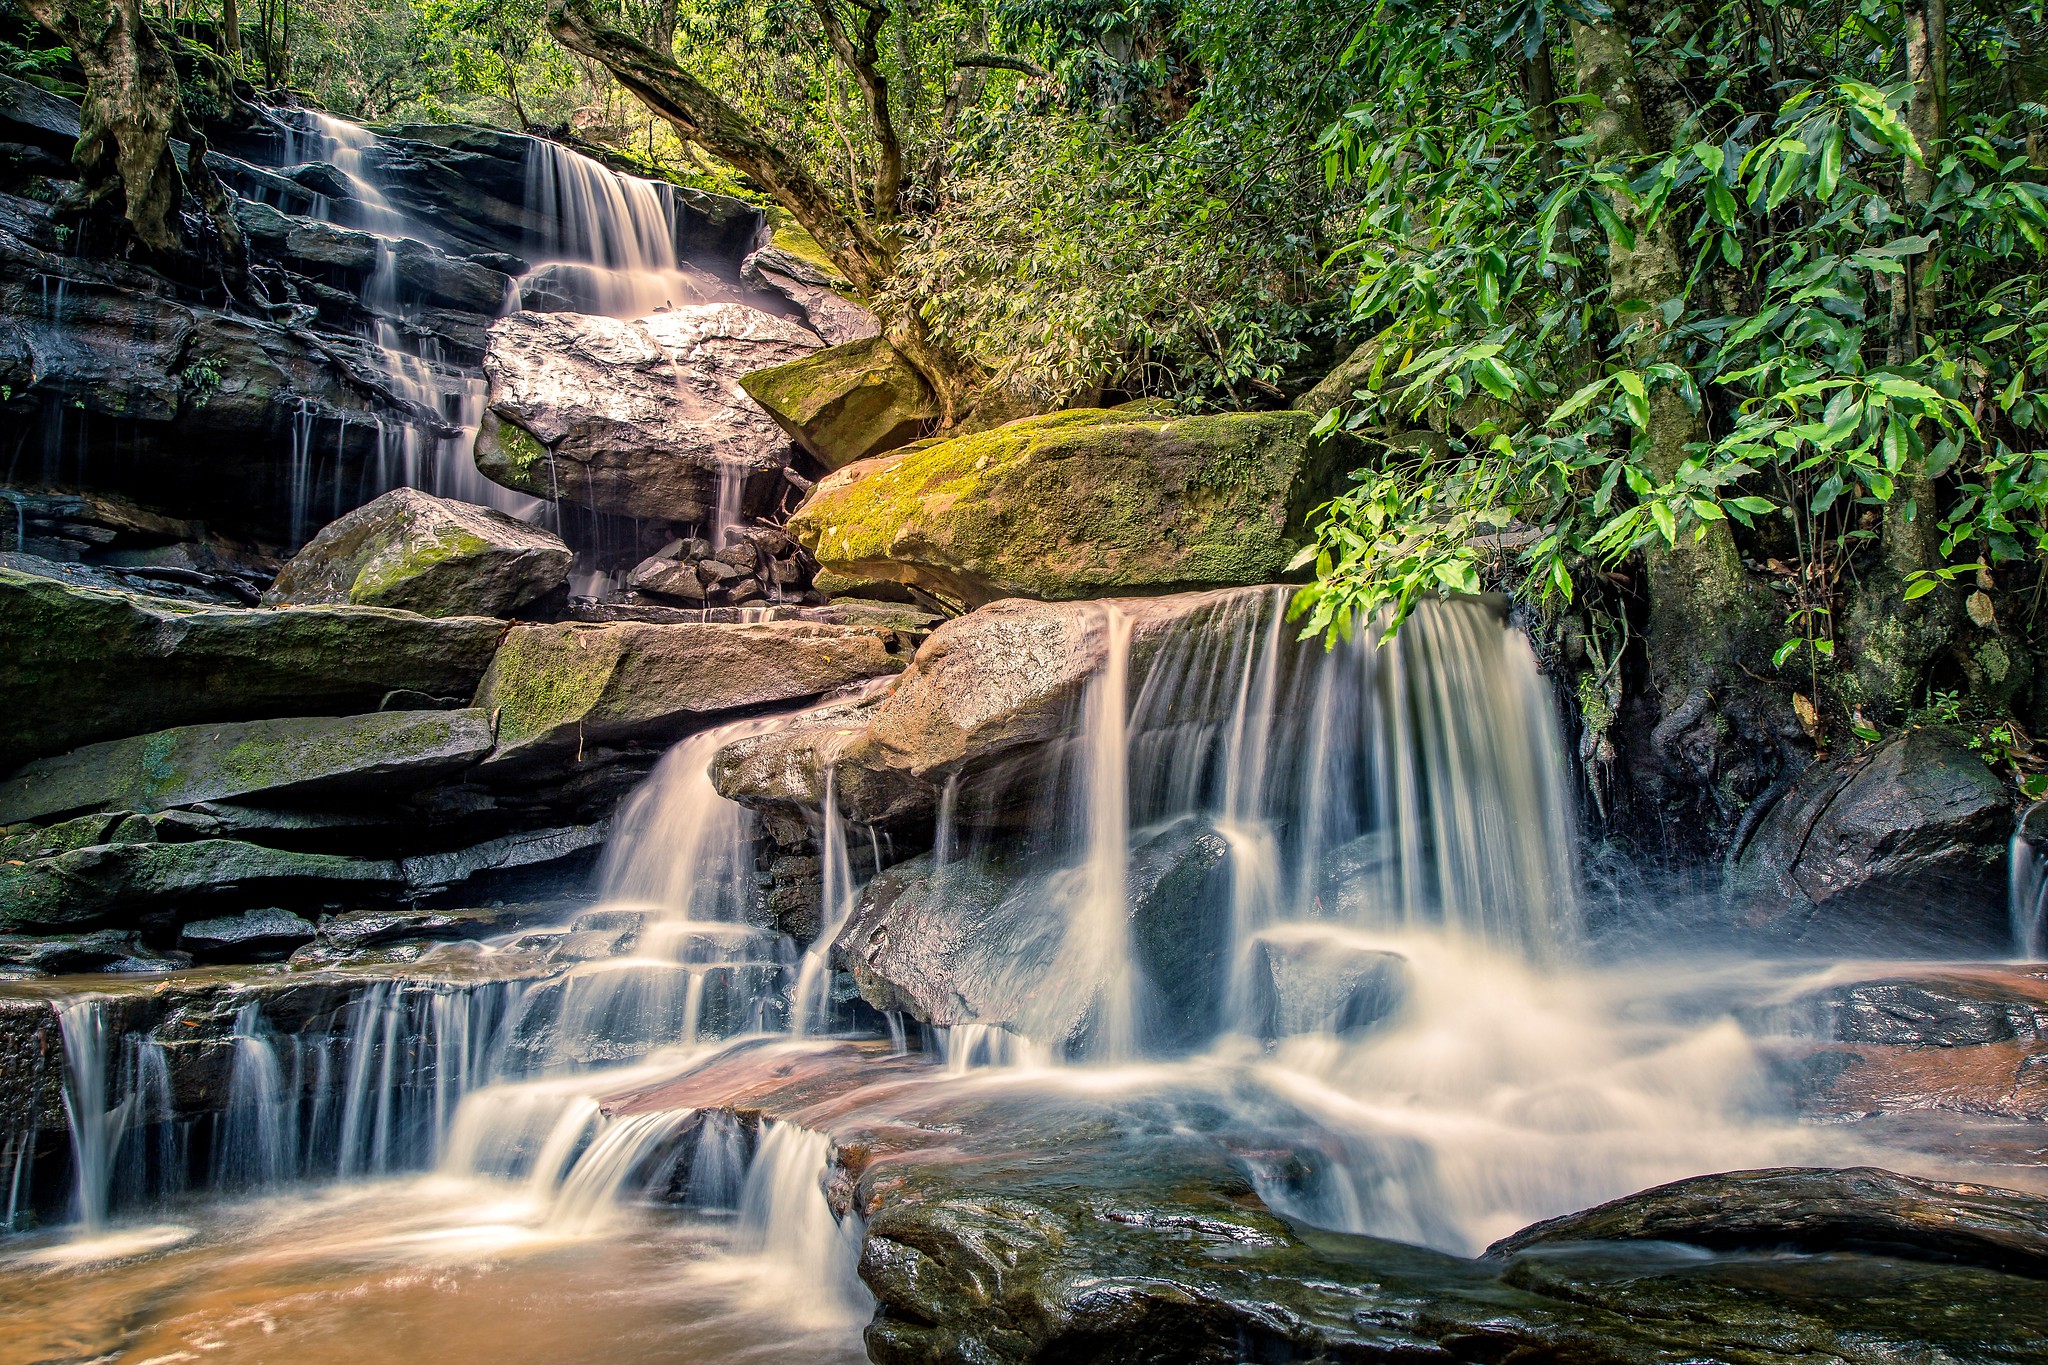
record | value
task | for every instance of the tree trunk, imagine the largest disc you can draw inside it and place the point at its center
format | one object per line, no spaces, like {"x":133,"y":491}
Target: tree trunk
{"x":127,"y":117}
{"x":1703,"y":610}
{"x":863,"y":60}
{"x":231,"y":34}
{"x":700,"y":115}
{"x":1895,"y":640}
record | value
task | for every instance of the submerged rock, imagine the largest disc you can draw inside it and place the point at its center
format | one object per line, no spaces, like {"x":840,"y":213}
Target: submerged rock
{"x":412,"y":551}
{"x":1079,"y":504}
{"x":558,"y":688}
{"x":1896,"y":850}
{"x":640,"y":418}
{"x":80,"y":664}
{"x":391,"y":751}
{"x":847,"y":403}
{"x":1320,"y":982}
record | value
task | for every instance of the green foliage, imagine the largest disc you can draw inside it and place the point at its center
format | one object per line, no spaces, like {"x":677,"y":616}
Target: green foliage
{"x":1482,"y":263}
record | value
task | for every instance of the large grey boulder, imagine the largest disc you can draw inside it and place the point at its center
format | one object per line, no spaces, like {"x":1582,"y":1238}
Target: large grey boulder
{"x":415,"y":552}
{"x":558,"y":688}
{"x":821,"y":295}
{"x":848,"y":402}
{"x":303,"y":756}
{"x":640,"y":418}
{"x":982,"y":940}
{"x":83,"y":664}
{"x":1896,"y":850}
{"x":1081,"y":504}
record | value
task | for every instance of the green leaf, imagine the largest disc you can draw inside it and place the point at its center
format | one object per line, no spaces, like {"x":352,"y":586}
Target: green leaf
{"x":1660,"y":512}
{"x":1830,"y":167}
{"x":1919,"y":589}
{"x":1785,"y":651}
{"x":1720,"y":203}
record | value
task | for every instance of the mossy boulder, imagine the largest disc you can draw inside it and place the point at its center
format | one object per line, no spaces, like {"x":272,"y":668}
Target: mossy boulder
{"x":269,"y":758}
{"x":847,"y":402}
{"x":415,"y":552}
{"x":80,"y":664}
{"x":556,"y":689}
{"x":1079,"y":504}
{"x":104,"y":881}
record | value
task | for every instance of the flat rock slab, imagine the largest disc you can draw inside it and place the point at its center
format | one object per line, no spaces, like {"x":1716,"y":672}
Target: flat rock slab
{"x":220,"y":762}
{"x":849,"y":402}
{"x":79,"y":665}
{"x":412,"y":551}
{"x":557,"y":688}
{"x":100,"y":881}
{"x":1088,"y":503}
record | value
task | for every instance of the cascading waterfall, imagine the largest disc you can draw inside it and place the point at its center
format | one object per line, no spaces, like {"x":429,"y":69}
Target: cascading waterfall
{"x":607,"y":243}
{"x":2029,"y":899}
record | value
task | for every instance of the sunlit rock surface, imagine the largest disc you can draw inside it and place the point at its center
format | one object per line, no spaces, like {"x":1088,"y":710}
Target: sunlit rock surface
{"x":640,"y":417}
{"x":1086,"y":503}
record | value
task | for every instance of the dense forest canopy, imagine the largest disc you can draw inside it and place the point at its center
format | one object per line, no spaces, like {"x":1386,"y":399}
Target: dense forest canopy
{"x":1717,"y":328}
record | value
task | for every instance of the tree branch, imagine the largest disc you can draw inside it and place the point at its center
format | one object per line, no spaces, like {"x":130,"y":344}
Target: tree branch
{"x":1003,"y":61}
{"x":863,"y":59}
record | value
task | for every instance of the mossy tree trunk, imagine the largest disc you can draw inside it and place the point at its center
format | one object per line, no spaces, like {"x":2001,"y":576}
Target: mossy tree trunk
{"x":1704,"y":614}
{"x":127,"y":118}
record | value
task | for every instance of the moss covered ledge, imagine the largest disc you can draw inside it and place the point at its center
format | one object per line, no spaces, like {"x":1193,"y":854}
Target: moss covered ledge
{"x":1087,"y":503}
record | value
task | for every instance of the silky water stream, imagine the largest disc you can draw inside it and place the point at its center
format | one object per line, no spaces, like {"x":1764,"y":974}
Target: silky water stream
{"x":1405,"y":1031}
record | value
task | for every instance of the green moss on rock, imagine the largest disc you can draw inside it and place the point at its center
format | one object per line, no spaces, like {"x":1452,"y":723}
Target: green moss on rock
{"x":848,"y":402}
{"x":1079,"y":504}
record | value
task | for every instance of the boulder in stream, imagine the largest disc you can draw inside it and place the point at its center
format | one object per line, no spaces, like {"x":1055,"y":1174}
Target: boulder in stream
{"x":83,"y":664}
{"x":1088,"y":503}
{"x":984,"y":940}
{"x":641,"y":418}
{"x":415,"y":552}
{"x":1896,"y":850}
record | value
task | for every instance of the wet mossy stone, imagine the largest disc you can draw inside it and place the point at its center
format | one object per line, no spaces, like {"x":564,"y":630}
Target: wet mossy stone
{"x":78,"y":665}
{"x":412,"y":551}
{"x":102,"y":881}
{"x":846,"y":403}
{"x":1088,"y":503}
{"x":184,"y":766}
{"x":556,"y":688}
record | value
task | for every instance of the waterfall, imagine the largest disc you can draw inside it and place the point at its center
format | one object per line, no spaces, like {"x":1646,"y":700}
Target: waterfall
{"x":101,"y":1064}
{"x":787,"y":1225}
{"x":607,"y":243}
{"x":2028,"y":898}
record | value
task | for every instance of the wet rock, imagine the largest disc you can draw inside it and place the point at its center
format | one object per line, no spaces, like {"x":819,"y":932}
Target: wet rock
{"x":848,"y":402}
{"x":818,"y":294}
{"x":551,"y":854}
{"x":79,"y":665}
{"x":307,"y":756}
{"x":1079,"y":504}
{"x":253,"y":936}
{"x":982,"y":940}
{"x":1895,"y":850}
{"x":992,"y":698}
{"x":1321,"y":982}
{"x":103,"y":950}
{"x":1819,"y":1210}
{"x":556,"y":689}
{"x":639,"y":417}
{"x":411,"y":551}
{"x":1938,"y":1008}
{"x":1866,"y":1081}
{"x":356,"y":930}
{"x":99,"y":881}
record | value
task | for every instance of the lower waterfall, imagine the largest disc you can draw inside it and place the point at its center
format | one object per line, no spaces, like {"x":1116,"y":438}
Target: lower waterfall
{"x":1408,"y":1032}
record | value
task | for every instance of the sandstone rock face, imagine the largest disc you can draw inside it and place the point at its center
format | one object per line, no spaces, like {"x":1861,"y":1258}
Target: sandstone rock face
{"x":297,"y":757}
{"x":981,"y":941}
{"x":1078,"y":504}
{"x":412,"y":551}
{"x":557,"y":688}
{"x":641,"y":417}
{"x":989,"y":698}
{"x":93,"y":884}
{"x":80,"y":664}
{"x":849,"y":402}
{"x":1899,"y":849}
